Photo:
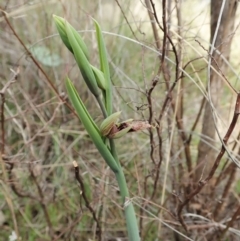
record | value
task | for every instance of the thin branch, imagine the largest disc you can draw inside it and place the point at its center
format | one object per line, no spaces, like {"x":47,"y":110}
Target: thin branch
{"x":196,"y":120}
{"x":42,"y":203}
{"x":230,"y":224}
{"x":165,"y":29}
{"x":169,"y":95}
{"x":2,"y":93}
{"x":170,"y":41}
{"x":83,"y":193}
{"x":125,"y":17}
{"x":2,"y":151}
{"x":202,"y":183}
{"x":13,"y":185}
{"x":144,"y":205}
{"x":150,"y":119}
{"x":7,"y":195}
{"x":69,"y":227}
{"x":153,"y":23}
{"x":226,"y":191}
{"x":49,"y":82}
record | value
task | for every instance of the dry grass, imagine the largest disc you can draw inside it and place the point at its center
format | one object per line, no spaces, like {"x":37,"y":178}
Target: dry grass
{"x":39,"y":195}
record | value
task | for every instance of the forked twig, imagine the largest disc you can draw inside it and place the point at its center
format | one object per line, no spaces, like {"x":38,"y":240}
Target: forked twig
{"x":2,"y":93}
{"x":6,"y":179}
{"x":226,"y":190}
{"x":49,"y":82}
{"x":202,"y":183}
{"x":169,"y":95}
{"x":230,"y":223}
{"x":88,"y":205}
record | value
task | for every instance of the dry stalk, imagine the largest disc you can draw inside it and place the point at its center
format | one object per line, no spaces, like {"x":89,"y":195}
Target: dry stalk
{"x":203,"y":182}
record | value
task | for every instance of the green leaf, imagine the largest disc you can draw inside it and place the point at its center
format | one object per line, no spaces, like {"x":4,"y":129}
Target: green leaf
{"x":99,"y":77}
{"x":82,"y":62}
{"x":90,"y":126}
{"x":104,"y":67}
{"x":60,"y":24}
{"x":61,"y":27}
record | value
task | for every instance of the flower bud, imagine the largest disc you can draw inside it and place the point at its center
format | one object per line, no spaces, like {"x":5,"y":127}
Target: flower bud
{"x":109,"y":123}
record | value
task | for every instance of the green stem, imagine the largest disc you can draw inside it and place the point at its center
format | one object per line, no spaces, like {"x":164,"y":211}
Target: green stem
{"x":102,"y":107}
{"x":130,"y":215}
{"x":129,"y":212}
{"x":114,"y":152}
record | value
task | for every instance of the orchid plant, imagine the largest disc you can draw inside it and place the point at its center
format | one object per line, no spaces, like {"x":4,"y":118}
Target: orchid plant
{"x":99,"y":83}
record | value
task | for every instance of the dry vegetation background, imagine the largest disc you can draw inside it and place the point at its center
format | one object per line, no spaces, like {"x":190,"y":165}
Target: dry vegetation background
{"x":40,"y":137}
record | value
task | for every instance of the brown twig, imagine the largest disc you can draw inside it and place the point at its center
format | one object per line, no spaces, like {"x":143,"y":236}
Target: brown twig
{"x":230,"y":223}
{"x":49,"y":82}
{"x":152,"y":15}
{"x":7,"y":195}
{"x":143,"y":206}
{"x":226,"y":191}
{"x":69,"y":227}
{"x":14,"y":186}
{"x":196,"y":120}
{"x":169,"y":96}
{"x":150,"y":119}
{"x":2,"y":93}
{"x":42,"y":203}
{"x":179,"y":125}
{"x":12,"y":183}
{"x":2,"y":151}
{"x":169,"y":39}
{"x":153,"y":23}
{"x":125,"y":17}
{"x":161,"y":67}
{"x":83,"y":193}
{"x":217,"y":65}
{"x":202,"y":183}
{"x":157,"y":167}
{"x":165,"y":29}
{"x":227,"y":169}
